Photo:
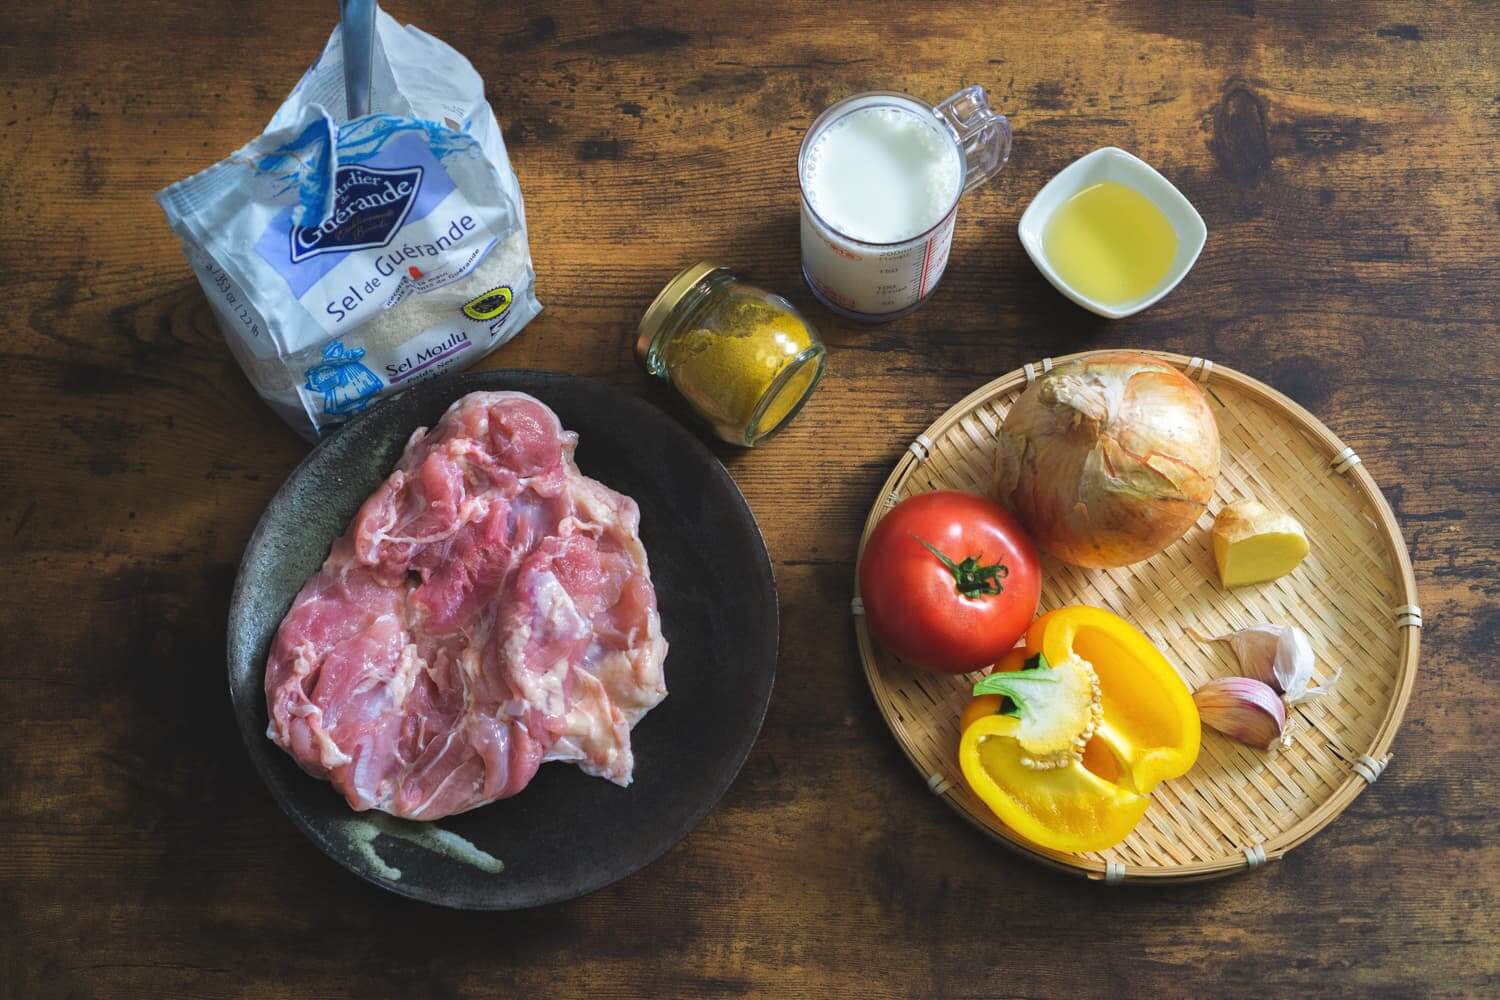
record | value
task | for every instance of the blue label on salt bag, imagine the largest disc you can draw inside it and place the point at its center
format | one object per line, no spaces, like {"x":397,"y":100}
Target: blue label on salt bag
{"x":346,"y":259}
{"x":371,"y":204}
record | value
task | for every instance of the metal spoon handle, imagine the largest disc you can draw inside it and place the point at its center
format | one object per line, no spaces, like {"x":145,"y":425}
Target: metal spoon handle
{"x":357,"y":21}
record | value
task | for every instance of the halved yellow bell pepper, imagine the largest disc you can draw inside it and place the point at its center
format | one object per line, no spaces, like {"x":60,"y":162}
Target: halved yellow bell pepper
{"x":1092,"y":795}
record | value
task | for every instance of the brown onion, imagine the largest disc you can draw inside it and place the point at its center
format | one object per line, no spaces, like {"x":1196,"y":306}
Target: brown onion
{"x":1108,"y":460}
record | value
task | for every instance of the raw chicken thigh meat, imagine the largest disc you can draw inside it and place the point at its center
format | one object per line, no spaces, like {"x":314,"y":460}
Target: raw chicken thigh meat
{"x":489,"y":609}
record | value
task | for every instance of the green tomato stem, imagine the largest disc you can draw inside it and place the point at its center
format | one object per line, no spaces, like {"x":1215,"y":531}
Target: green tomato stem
{"x":970,"y":577}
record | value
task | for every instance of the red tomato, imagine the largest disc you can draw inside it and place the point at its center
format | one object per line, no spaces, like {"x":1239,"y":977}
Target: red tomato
{"x":949,"y":581}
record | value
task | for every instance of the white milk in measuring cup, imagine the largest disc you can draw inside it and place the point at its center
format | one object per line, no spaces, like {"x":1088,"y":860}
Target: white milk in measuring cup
{"x":881,"y":176}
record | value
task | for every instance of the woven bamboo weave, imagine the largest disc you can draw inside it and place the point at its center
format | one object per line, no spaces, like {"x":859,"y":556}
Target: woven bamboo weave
{"x":1354,"y":596}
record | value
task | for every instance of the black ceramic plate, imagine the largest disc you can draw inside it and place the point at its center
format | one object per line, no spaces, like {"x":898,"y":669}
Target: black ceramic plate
{"x":566,"y":834}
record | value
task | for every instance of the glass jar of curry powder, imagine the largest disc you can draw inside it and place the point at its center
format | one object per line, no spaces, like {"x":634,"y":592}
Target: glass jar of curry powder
{"x":744,"y":358}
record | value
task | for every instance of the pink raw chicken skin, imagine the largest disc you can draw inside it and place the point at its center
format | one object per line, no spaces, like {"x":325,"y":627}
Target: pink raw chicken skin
{"x":489,"y":609}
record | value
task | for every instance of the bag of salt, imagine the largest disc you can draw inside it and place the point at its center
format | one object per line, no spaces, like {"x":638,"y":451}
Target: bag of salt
{"x":347,"y":259}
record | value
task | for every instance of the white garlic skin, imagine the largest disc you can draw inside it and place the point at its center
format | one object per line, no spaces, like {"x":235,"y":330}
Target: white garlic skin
{"x":1280,"y":656}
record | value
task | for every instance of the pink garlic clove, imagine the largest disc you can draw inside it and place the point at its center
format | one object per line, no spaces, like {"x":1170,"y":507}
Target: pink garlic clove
{"x":1242,"y":708}
{"x":1278,"y":655}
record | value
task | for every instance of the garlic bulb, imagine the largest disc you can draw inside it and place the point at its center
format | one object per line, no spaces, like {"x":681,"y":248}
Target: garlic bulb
{"x":1243,"y":709}
{"x":1278,"y":655}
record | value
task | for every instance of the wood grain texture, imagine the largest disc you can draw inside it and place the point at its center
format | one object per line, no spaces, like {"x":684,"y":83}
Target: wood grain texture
{"x":1343,"y":157}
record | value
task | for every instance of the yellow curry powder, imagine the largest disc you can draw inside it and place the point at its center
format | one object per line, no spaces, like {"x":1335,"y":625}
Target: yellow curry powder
{"x":726,"y":367}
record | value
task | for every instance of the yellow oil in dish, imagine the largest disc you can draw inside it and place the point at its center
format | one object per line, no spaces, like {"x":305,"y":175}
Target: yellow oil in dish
{"x":1110,"y":243}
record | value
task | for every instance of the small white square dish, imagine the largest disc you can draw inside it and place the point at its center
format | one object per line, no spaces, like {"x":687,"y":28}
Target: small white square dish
{"x":1112,"y":164}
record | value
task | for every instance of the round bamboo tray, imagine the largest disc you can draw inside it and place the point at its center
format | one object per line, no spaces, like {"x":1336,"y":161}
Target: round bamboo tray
{"x":1354,"y":595}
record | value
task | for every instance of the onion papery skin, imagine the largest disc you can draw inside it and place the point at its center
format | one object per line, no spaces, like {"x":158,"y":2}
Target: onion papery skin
{"x":1108,"y":460}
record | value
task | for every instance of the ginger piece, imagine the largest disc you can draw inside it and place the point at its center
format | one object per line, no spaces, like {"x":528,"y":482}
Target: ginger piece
{"x":1253,"y":544}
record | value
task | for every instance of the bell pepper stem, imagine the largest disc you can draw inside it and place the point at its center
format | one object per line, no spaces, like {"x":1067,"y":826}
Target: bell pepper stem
{"x":1016,"y":684}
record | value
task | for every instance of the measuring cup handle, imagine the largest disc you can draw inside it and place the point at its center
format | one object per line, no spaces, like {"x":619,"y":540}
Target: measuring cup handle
{"x":983,"y":135}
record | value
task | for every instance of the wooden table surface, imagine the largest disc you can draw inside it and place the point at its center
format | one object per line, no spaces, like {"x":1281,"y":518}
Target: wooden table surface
{"x":1344,"y":157}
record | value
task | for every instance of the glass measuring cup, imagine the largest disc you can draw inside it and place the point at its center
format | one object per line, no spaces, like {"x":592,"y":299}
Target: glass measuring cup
{"x":872,"y":281}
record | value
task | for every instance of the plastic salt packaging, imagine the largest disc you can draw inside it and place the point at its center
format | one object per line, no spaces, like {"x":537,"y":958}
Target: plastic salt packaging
{"x":348,"y":259}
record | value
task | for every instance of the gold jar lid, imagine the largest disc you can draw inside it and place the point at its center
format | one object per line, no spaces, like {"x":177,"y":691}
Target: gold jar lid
{"x":668,"y":299}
